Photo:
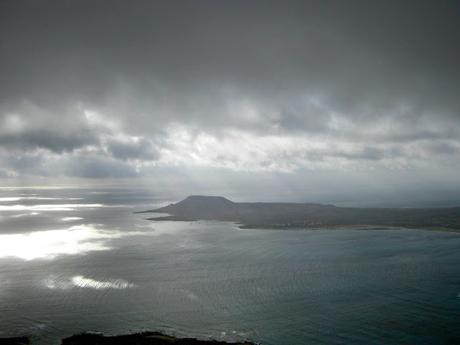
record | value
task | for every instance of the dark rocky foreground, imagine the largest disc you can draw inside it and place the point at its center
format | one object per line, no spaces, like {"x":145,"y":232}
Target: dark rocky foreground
{"x":307,"y":215}
{"x":147,"y":338}
{"x":15,"y":341}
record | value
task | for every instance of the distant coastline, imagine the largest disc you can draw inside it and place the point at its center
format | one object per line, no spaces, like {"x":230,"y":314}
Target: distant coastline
{"x":309,"y":216}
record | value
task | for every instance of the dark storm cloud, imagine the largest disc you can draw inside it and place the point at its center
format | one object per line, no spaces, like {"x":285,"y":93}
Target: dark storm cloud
{"x":353,"y":54}
{"x":230,"y":84}
{"x":48,"y":139}
{"x":141,"y":149}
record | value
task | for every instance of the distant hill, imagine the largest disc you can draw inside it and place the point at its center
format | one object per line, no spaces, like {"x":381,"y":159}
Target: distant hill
{"x":307,"y":215}
{"x":202,"y":207}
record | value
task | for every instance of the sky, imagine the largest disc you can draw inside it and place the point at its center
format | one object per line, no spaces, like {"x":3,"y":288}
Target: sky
{"x":332,"y":101}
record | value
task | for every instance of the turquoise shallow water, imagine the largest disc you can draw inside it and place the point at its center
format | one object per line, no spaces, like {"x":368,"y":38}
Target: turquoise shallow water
{"x":99,"y":267}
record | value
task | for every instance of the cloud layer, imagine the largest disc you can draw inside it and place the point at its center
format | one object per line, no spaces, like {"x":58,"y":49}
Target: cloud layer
{"x":106,"y":89}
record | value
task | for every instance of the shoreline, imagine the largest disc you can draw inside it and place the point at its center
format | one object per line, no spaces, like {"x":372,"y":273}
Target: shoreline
{"x":372,"y":227}
{"x":369,"y":227}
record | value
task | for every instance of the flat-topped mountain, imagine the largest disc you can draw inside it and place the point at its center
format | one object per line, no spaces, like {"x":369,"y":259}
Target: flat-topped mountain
{"x":198,"y":206}
{"x":307,"y":215}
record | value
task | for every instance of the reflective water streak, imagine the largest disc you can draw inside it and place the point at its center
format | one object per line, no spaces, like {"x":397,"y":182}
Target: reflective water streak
{"x":48,"y":207}
{"x":19,"y":198}
{"x":71,"y":219}
{"x":211,"y":279}
{"x":83,"y":282}
{"x":78,"y":239}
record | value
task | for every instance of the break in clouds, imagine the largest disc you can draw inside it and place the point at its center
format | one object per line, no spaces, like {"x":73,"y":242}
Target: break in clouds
{"x":317,"y":97}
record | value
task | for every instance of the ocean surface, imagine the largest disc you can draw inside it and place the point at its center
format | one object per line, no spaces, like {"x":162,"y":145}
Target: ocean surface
{"x":76,"y":260}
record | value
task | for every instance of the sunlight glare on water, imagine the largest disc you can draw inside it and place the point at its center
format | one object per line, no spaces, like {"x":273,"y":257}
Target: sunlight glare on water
{"x":49,"y":244}
{"x":110,"y":270}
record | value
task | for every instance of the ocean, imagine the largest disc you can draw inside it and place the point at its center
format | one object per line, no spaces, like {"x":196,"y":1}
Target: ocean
{"x":77,"y":260}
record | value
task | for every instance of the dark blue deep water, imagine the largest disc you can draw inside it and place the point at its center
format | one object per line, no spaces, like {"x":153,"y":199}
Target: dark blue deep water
{"x":79,"y":260}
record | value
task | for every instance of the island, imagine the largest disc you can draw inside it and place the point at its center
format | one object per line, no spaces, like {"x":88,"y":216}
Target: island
{"x":145,"y":338}
{"x":275,"y":215}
